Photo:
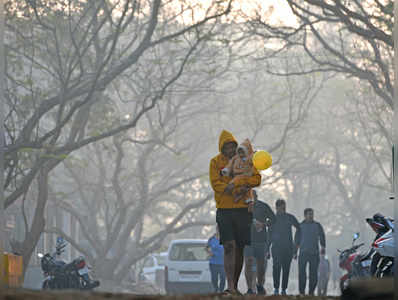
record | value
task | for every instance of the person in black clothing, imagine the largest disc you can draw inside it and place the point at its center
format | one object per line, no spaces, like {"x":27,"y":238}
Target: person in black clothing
{"x":283,"y":249}
{"x":311,"y":236}
{"x":263,"y":216}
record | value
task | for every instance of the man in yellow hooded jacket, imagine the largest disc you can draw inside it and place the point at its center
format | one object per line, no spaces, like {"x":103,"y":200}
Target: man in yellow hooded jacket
{"x":233,"y":218}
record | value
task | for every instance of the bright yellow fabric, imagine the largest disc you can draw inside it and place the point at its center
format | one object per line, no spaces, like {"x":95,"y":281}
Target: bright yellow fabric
{"x":218,"y":182}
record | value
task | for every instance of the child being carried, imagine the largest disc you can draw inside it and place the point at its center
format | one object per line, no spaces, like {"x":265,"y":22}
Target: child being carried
{"x":239,"y":166}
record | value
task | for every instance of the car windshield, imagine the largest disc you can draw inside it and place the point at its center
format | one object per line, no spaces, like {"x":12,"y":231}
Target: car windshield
{"x":189,"y":252}
{"x":161,"y":260}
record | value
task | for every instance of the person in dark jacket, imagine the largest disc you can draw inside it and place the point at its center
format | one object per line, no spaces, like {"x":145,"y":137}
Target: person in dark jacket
{"x":256,"y":253}
{"x":282,"y":247}
{"x":311,"y":235}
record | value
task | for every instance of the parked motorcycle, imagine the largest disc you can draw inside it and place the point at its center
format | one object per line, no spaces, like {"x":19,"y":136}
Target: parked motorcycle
{"x":380,"y":227}
{"x":383,"y":245}
{"x":60,"y":275}
{"x":357,"y":265}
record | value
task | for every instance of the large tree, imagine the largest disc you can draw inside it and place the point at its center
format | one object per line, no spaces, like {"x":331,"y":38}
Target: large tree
{"x":151,"y":181}
{"x":339,"y":160}
{"x":353,"y":38}
{"x":61,"y":60}
{"x":116,"y":188}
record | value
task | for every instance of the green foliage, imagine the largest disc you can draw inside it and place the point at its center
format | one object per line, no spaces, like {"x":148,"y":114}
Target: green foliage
{"x":53,"y":156}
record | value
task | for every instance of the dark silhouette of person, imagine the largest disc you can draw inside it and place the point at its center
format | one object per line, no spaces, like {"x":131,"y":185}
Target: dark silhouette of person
{"x":256,"y":253}
{"x":283,"y":248}
{"x":311,"y":235}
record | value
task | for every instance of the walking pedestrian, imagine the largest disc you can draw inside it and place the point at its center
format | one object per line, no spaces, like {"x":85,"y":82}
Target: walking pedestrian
{"x":233,"y":218}
{"x":256,"y":253}
{"x":216,"y":262}
{"x":311,"y":236}
{"x":283,"y":248}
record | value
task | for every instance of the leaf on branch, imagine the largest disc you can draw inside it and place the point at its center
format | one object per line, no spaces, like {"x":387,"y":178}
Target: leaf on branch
{"x":54,"y":156}
{"x":26,"y":150}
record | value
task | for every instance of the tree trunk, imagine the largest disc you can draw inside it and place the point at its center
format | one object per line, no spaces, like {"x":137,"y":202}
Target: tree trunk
{"x":104,"y":268}
{"x":31,"y":237}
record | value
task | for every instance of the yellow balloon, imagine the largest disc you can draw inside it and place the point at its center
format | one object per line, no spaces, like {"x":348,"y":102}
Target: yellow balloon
{"x":262,"y":160}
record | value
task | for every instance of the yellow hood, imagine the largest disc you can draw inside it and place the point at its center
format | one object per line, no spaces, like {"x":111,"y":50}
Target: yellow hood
{"x":247,"y":147}
{"x":225,"y":137}
{"x":219,"y":183}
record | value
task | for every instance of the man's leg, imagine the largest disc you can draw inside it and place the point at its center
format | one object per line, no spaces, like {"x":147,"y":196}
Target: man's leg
{"x":276,"y":268}
{"x":302,"y":263}
{"x":254,"y":275}
{"x":314,"y":264}
{"x":225,"y":221}
{"x":214,"y":277}
{"x":259,"y":254}
{"x":238,"y":264}
{"x":249,"y":271}
{"x":265,"y":266}
{"x":261,"y":271}
{"x":286,"y":261}
{"x":325,"y":291}
{"x":320,"y":287}
{"x":229,"y":263}
{"x":242,"y":221}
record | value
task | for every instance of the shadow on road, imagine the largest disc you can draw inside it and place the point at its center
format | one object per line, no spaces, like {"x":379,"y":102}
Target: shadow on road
{"x":359,"y":290}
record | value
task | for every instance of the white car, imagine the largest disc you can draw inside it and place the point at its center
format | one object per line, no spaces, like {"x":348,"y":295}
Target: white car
{"x":187,"y":268}
{"x":153,"y":263}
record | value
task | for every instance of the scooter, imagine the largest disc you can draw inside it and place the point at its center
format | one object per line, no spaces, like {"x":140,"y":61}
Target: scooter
{"x":380,"y":226}
{"x":383,"y":260}
{"x":357,"y":265}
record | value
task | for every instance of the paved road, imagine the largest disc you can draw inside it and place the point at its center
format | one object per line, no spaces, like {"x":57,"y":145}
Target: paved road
{"x":369,"y":289}
{"x":38,"y":295}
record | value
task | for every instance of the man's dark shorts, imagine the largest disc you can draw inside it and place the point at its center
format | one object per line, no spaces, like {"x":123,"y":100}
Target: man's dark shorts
{"x":256,"y":250}
{"x":234,"y":225}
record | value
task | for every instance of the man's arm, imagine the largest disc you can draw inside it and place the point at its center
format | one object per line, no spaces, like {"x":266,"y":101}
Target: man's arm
{"x":267,"y":244}
{"x":215,"y":178}
{"x":269,"y":239}
{"x":269,"y":214}
{"x":297,"y":235}
{"x":322,"y":239}
{"x":251,"y":181}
